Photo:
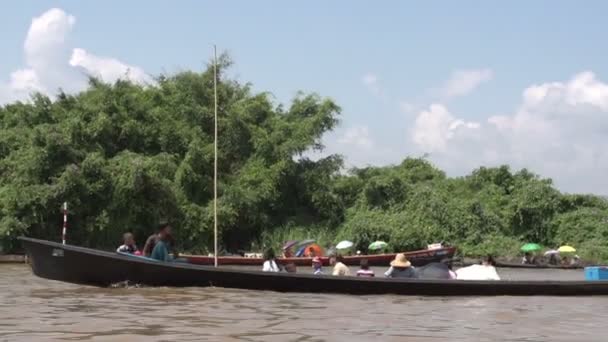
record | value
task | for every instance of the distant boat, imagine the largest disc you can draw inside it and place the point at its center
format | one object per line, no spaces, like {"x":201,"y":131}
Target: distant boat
{"x":87,"y":266}
{"x":417,"y":258}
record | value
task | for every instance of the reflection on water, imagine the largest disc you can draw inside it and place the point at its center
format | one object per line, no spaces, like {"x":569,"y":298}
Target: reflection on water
{"x":42,"y":310}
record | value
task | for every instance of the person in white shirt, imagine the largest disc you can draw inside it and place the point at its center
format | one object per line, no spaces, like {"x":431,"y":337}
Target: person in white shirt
{"x":270,"y":262}
{"x":485,"y":271}
{"x":340,"y":269}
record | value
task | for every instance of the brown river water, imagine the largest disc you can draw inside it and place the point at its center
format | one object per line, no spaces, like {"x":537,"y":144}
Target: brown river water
{"x":34,"y":309}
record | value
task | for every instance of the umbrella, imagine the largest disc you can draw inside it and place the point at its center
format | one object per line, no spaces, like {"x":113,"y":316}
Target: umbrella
{"x":306,"y":250}
{"x":377,"y":245}
{"x":344,"y":245}
{"x":305,"y":242}
{"x":566,"y":249}
{"x":289,"y":244}
{"x":551,"y":251}
{"x":530,"y":247}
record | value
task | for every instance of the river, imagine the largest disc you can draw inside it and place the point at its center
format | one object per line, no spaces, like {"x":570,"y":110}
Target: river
{"x":34,"y":309}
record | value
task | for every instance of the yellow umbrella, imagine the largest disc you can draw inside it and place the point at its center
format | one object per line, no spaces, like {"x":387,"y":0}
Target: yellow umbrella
{"x":566,"y":249}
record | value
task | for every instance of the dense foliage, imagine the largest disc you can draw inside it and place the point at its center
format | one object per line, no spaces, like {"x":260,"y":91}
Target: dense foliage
{"x":126,"y":157}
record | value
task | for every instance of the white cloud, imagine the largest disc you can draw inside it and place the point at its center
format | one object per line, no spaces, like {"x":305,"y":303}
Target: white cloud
{"x":372,"y":82}
{"x":50,"y":63}
{"x":436,"y":126}
{"x":108,"y":69}
{"x":463,"y":82}
{"x":558,"y":131}
{"x":358,"y":137}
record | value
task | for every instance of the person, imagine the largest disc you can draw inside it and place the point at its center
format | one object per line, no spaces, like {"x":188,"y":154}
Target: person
{"x":270,"y":263}
{"x":287,"y":253}
{"x":153,"y":239}
{"x":483,"y":271}
{"x":448,"y":262}
{"x":311,"y":252}
{"x":340,"y":269}
{"x":528,"y":259}
{"x":162,"y":245}
{"x":401,"y":268}
{"x":576,"y":260}
{"x":128,"y":245}
{"x":317,"y":266}
{"x":554,"y":259}
{"x":488,"y":261}
{"x":291,"y":268}
{"x":365,"y":271}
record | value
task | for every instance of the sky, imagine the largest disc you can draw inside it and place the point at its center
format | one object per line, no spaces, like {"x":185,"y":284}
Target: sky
{"x":466,"y":84}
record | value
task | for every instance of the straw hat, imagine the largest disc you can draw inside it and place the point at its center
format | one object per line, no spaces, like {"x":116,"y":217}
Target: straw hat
{"x":400,"y":261}
{"x":316,"y":260}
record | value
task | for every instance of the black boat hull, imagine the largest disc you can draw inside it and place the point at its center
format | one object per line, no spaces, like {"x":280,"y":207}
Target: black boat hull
{"x":538,"y":267}
{"x":92,"y":267}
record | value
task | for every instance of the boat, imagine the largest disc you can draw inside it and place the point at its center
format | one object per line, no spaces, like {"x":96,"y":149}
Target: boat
{"x":539,"y":266}
{"x":417,"y":258}
{"x":87,"y":266}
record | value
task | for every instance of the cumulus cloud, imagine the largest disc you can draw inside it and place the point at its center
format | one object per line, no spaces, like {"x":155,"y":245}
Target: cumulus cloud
{"x":108,"y":69}
{"x":51,"y":63}
{"x":559,"y":130}
{"x":357,"y":136}
{"x":436,"y":126}
{"x":463,"y":82}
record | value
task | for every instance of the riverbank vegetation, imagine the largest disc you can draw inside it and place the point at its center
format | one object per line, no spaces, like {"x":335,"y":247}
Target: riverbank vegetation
{"x":126,"y":156}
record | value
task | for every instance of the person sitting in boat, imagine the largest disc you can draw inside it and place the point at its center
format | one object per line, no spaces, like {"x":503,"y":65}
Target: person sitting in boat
{"x":163,"y":245}
{"x":154,"y":238}
{"x":554,"y":259}
{"x":483,"y":271}
{"x":448,"y":263}
{"x":365,"y":271}
{"x":528,"y":259}
{"x":576,"y":261}
{"x":128,"y":245}
{"x":291,"y":268}
{"x":340,"y":269}
{"x":317,"y":266}
{"x":270,"y":262}
{"x":401,"y":268}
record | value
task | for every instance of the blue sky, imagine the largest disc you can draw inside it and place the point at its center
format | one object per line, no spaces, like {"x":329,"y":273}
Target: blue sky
{"x":444,"y":78}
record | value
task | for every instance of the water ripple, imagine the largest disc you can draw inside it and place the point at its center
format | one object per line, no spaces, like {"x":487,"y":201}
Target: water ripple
{"x":41,"y":310}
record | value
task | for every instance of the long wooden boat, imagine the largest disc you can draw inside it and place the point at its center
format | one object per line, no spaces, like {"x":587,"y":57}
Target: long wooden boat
{"x":540,"y":266}
{"x":80,"y":265}
{"x":417,"y":258}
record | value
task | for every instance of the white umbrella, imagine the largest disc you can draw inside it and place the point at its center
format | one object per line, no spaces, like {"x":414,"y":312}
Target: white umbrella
{"x":344,"y":245}
{"x":550,"y":252}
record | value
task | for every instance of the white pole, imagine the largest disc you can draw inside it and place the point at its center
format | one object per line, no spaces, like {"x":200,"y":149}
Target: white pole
{"x":65,"y":221}
{"x":215,"y":159}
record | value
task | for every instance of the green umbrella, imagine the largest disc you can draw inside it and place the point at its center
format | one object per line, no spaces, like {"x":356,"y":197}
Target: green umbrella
{"x":531,"y":247}
{"x":377,"y":245}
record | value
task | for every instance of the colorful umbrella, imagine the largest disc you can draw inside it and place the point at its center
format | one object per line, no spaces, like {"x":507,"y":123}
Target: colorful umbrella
{"x":344,"y":245}
{"x":289,"y":244}
{"x":305,"y":242}
{"x":306,"y":250}
{"x":566,"y":249}
{"x":377,"y":245}
{"x":530,"y":247}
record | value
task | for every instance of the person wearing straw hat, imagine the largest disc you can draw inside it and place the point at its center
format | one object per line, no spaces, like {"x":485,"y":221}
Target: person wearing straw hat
{"x":401,"y":268}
